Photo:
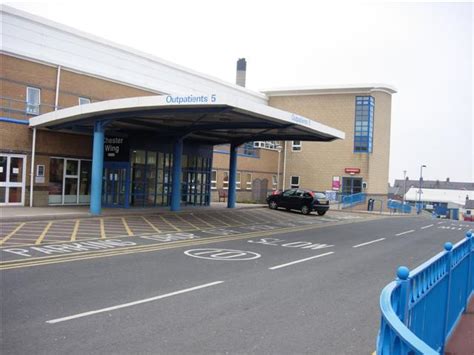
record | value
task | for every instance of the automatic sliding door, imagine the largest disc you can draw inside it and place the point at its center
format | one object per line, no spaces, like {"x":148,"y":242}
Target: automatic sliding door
{"x":12,"y":179}
{"x":71,"y":182}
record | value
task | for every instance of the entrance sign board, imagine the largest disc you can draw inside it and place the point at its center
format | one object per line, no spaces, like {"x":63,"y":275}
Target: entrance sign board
{"x":116,"y":149}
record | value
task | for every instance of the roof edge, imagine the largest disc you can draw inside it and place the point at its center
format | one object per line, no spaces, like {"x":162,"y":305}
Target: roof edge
{"x":331,"y":89}
{"x":90,"y":37}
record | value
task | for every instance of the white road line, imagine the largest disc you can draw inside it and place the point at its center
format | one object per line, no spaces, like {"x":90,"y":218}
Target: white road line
{"x":428,"y":226}
{"x":367,"y":243}
{"x":108,"y":309}
{"x":299,"y":261}
{"x":402,"y":233}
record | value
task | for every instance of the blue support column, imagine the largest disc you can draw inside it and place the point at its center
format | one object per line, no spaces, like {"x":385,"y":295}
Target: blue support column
{"x":232,"y":176}
{"x":97,"y":168}
{"x":176,"y":175}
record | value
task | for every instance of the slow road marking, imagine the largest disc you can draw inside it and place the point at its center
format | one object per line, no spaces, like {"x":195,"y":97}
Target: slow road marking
{"x":299,"y":261}
{"x":130,"y":304}
{"x":402,"y":233}
{"x":367,"y":243}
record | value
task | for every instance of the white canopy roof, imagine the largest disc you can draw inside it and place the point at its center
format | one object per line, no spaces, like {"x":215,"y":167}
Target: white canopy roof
{"x":213,"y":118}
{"x":439,"y":195}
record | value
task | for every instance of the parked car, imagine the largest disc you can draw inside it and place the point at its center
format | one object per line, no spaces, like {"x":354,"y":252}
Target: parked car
{"x":468,"y":216}
{"x":299,"y":199}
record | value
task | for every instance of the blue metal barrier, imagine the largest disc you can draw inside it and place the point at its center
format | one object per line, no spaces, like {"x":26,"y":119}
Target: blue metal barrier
{"x":352,"y":200}
{"x":398,"y":206}
{"x":422,"y":307}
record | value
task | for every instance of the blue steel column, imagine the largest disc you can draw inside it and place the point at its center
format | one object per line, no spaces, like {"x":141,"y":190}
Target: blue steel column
{"x":97,"y":168}
{"x":176,"y":175}
{"x":232,"y":176}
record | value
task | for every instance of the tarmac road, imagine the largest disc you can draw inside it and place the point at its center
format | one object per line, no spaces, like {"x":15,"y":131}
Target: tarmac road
{"x":298,"y":289}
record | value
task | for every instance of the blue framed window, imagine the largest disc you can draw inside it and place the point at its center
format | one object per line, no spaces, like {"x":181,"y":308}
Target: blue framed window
{"x":364,"y":124}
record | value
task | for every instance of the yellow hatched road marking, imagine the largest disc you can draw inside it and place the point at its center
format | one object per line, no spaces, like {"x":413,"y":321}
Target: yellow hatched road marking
{"x":45,"y":230}
{"x":182,"y":219}
{"x":151,"y":225}
{"x":169,"y":223}
{"x":102,"y":229}
{"x":210,"y":225}
{"x":37,"y":261}
{"x":241,"y":215}
{"x":127,"y":228}
{"x":11,"y":233}
{"x":138,"y":249}
{"x":218,"y":220}
{"x":222,"y":215}
{"x":74,"y":231}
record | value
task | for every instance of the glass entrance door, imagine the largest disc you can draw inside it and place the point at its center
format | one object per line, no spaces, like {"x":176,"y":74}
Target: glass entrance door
{"x":116,"y":182}
{"x":12,"y":179}
{"x":351,"y":185}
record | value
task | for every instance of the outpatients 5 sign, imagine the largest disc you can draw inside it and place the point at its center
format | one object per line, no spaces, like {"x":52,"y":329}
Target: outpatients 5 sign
{"x":116,"y":149}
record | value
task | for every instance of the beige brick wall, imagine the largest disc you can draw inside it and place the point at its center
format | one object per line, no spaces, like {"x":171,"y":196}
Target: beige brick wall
{"x":318,"y":162}
{"x":264,"y":167}
{"x":15,"y":76}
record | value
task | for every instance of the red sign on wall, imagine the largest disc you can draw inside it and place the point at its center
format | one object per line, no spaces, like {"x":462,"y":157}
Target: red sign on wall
{"x":352,"y":170}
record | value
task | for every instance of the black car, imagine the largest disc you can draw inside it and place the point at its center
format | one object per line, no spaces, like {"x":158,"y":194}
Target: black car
{"x":299,"y":199}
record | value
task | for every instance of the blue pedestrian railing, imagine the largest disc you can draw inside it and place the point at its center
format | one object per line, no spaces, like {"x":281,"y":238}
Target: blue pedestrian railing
{"x":422,"y":307}
{"x":352,"y":200}
{"x":398,"y":206}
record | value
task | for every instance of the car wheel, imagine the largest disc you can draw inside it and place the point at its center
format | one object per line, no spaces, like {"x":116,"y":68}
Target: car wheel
{"x":273,"y":205}
{"x":305,"y":209}
{"x":321,"y":213}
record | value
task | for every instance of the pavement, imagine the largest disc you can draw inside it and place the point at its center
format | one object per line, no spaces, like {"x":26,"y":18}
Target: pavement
{"x":21,"y":214}
{"x":280,"y":283}
{"x":462,"y":340}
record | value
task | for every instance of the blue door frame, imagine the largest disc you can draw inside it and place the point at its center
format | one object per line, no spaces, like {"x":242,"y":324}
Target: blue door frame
{"x":116,"y":185}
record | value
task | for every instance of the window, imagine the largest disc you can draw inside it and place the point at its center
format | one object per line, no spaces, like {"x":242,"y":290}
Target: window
{"x":274,"y":182}
{"x":296,"y":146}
{"x":33,"y":101}
{"x":289,"y":193}
{"x":40,"y":170}
{"x":249,"y":150}
{"x":364,"y":124}
{"x":237,"y":181}
{"x":295,"y":182}
{"x":214,"y":179}
{"x":248,"y":183}
{"x":225,"y":180}
{"x":84,"y":101}
{"x":273,"y":145}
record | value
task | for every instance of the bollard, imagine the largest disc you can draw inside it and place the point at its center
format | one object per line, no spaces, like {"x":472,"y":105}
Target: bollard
{"x":449,"y":249}
{"x":403,"y":278}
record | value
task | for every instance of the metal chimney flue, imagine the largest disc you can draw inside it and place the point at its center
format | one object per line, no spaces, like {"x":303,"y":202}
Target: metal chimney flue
{"x":241,"y":72}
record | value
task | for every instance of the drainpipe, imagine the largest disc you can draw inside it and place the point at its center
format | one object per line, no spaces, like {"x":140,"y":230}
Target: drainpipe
{"x":32,"y":170}
{"x":58,"y":78}
{"x":284,"y":167}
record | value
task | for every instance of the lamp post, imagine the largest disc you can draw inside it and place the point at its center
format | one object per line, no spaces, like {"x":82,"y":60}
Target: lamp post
{"x":419,"y":191}
{"x":278,"y":147}
{"x":404,"y":185}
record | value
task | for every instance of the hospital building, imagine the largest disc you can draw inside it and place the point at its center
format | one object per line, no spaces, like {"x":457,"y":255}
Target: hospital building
{"x":85,"y":121}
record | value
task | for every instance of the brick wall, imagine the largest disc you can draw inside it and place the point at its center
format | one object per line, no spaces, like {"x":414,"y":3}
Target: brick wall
{"x":318,"y":162}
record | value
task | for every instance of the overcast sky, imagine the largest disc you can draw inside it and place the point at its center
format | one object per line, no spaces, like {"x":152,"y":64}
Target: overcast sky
{"x":425,"y":50}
